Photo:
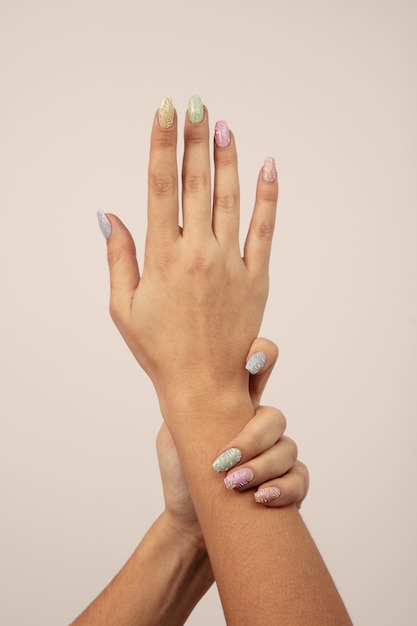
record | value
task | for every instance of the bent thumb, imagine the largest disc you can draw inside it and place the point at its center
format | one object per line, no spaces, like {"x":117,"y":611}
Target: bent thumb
{"x":262,"y":356}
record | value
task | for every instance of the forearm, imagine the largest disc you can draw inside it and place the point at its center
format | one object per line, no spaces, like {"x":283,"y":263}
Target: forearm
{"x":265,"y":562}
{"x":160,"y":584}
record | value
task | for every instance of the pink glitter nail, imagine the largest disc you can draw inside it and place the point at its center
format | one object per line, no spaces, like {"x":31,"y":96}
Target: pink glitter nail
{"x":222,"y":134}
{"x":269,"y":170}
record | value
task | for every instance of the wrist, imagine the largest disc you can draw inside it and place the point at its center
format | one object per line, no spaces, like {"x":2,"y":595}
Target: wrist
{"x":195,"y":398}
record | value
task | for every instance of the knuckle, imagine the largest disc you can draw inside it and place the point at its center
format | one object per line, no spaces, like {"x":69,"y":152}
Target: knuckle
{"x":274,"y":350}
{"x":114,"y":310}
{"x":303,"y":470}
{"x":226,"y":158}
{"x":162,"y":185}
{"x":196,"y":135}
{"x":263,"y":230}
{"x":226,"y":203}
{"x":198,"y":263}
{"x":194,"y":183}
{"x":163,"y":260}
{"x":282,"y":420}
{"x":257,"y":440}
{"x":164,"y":141}
{"x":114,"y":256}
{"x":269,"y":193}
{"x":293,"y":449}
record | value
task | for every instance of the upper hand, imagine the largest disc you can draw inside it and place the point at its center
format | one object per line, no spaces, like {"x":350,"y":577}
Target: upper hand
{"x":198,"y":300}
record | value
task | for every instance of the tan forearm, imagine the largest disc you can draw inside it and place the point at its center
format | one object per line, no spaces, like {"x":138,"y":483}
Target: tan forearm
{"x":265,"y":562}
{"x":160,"y":584}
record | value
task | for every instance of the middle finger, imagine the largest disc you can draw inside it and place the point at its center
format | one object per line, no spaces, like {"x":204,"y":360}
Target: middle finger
{"x":196,"y":193}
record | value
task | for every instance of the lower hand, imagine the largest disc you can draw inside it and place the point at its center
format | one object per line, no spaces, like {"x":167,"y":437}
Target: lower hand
{"x":267,"y":453}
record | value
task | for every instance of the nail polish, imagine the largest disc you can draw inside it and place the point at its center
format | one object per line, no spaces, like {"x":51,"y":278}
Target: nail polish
{"x":226,"y":460}
{"x":195,"y":110}
{"x":104,"y":224}
{"x":269,"y":170}
{"x":239,"y":478}
{"x":222,"y":134}
{"x":166,"y":113}
{"x":268,"y":494}
{"x":256,"y":362}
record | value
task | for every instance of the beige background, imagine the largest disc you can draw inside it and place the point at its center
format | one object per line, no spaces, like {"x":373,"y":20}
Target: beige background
{"x":327,"y":87}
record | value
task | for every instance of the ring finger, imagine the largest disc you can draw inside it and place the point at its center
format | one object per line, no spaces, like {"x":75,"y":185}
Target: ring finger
{"x":226,"y":188}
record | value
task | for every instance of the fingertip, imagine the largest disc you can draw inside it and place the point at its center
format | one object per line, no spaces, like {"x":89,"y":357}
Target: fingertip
{"x":267,"y":187}
{"x":119,"y":235}
{"x":104,"y":224}
{"x":166,"y":114}
{"x":256,"y":362}
{"x":269,"y":171}
{"x":267,"y":495}
{"x":196,"y":111}
{"x":263,"y":355}
{"x":164,"y":128}
{"x":227,"y":459}
{"x":222,"y":134}
{"x":292,"y":487}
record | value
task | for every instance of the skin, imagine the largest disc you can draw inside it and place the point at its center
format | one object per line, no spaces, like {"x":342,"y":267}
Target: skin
{"x":198,"y":291}
{"x":170,"y":570}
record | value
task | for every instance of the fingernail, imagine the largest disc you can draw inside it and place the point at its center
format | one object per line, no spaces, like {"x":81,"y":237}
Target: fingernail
{"x":222,"y":134}
{"x":104,"y":224}
{"x":256,"y":362}
{"x":268,"y":494}
{"x":166,"y":113}
{"x":195,"y":110}
{"x":239,"y":478}
{"x":269,"y":170}
{"x":227,"y":460}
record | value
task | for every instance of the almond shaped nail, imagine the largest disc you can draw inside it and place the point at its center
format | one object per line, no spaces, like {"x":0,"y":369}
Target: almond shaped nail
{"x":195,"y":110}
{"x":104,"y":224}
{"x":256,"y":362}
{"x":226,"y":460}
{"x":239,"y":478}
{"x":269,"y":170}
{"x":222,"y":135}
{"x":166,"y":113}
{"x":268,"y":494}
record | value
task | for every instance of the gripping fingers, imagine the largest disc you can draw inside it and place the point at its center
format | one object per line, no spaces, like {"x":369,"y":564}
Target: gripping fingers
{"x":259,"y":434}
{"x":291,"y":488}
{"x":274,"y":462}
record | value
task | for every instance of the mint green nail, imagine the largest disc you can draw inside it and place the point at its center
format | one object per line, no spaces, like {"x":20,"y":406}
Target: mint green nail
{"x":226,"y":460}
{"x":195,"y":110}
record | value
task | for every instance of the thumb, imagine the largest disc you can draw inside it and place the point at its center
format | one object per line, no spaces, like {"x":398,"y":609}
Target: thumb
{"x":262,"y":356}
{"x":121,"y":257}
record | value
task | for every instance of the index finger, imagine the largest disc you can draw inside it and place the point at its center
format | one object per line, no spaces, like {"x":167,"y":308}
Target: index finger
{"x":163,"y":176}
